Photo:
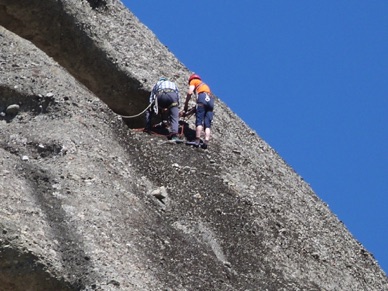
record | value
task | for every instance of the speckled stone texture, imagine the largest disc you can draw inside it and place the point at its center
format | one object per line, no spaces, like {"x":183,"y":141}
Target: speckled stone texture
{"x":88,"y":202}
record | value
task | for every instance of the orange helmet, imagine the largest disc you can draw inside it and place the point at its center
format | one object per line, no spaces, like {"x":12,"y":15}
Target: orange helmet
{"x":194,"y":76}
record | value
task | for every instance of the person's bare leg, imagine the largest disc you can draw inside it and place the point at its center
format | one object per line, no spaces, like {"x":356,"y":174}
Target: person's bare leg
{"x":198,"y":132}
{"x":207,"y":135}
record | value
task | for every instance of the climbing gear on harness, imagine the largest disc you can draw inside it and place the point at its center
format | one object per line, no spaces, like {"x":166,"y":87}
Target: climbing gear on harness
{"x":173,"y":105}
{"x":194,"y":76}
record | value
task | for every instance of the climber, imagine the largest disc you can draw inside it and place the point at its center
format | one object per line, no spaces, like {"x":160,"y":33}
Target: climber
{"x":204,"y":109}
{"x":165,"y":96}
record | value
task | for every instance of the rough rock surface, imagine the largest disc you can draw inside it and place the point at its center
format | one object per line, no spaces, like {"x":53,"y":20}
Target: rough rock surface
{"x":89,"y":203}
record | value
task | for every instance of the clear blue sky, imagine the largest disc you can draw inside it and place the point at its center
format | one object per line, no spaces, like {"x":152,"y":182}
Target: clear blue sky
{"x":310,"y":77}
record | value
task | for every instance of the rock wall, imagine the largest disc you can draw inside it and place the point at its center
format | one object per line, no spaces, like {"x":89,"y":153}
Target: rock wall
{"x":89,"y":203}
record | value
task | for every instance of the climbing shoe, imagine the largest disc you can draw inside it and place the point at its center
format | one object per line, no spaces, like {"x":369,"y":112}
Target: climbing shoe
{"x":193,"y":143}
{"x":176,"y":139}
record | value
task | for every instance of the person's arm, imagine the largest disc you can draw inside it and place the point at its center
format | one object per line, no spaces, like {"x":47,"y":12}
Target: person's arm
{"x":188,"y":97}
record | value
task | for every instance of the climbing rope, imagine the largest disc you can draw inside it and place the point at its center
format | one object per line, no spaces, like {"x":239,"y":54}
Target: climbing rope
{"x":137,"y":115}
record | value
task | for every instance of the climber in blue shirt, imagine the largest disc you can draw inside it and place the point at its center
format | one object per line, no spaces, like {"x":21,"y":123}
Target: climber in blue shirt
{"x":165,"y":96}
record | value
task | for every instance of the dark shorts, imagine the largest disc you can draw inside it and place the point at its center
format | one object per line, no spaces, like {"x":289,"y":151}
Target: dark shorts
{"x":205,"y":106}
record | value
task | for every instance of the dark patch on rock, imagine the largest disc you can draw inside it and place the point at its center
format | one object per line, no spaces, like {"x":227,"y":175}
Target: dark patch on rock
{"x":97,"y":3}
{"x":23,"y":270}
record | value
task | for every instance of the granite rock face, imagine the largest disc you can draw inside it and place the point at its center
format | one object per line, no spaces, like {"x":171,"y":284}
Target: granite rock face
{"x":87,"y":202}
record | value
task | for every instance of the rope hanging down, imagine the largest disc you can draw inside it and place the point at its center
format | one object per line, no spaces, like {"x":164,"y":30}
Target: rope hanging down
{"x":149,"y":105}
{"x":137,"y":115}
